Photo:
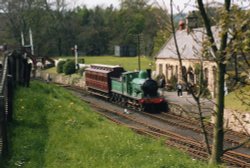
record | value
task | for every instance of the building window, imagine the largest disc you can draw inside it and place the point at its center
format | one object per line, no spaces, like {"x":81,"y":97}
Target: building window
{"x":206,"y":76}
{"x":166,"y":75}
{"x":160,"y":69}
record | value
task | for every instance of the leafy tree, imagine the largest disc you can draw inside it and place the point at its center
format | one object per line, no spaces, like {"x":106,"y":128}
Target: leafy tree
{"x":57,"y":29}
{"x":163,"y":32}
{"x":230,"y":42}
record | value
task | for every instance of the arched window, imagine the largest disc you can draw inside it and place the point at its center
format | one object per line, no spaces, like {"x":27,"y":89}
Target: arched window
{"x":166,"y":74}
{"x":184,"y":73}
{"x":191,"y":75}
{"x":160,"y":69}
{"x":206,"y":76}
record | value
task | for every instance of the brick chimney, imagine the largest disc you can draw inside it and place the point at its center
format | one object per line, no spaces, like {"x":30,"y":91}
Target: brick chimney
{"x":191,"y":21}
{"x":181,"y":25}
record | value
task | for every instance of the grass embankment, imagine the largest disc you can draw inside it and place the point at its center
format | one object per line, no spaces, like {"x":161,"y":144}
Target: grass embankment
{"x":52,"y":128}
{"x":239,"y":99}
{"x":129,"y":63}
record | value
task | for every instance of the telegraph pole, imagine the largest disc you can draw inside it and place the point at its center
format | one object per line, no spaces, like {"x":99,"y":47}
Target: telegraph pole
{"x":22,"y":39}
{"x":31,"y":42}
{"x":76,"y":57}
{"x":138,"y":52}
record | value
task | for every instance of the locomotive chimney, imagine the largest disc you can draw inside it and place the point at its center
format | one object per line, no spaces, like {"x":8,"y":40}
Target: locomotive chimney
{"x":149,"y":73}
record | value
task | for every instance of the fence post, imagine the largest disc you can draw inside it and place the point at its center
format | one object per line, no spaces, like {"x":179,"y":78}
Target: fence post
{"x":3,"y":125}
{"x":13,"y":67}
{"x":10,"y":97}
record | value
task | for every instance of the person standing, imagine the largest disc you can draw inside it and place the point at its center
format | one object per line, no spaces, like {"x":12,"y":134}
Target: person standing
{"x":179,"y":90}
{"x":48,"y":78}
{"x":162,"y":82}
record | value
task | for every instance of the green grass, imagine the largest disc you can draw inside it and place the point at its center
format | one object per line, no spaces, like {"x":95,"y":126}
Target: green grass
{"x":53,"y":129}
{"x":239,"y":99}
{"x":129,"y":63}
{"x":51,"y":70}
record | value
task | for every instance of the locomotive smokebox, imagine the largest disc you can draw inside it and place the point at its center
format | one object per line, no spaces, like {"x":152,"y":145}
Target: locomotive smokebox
{"x":149,"y":73}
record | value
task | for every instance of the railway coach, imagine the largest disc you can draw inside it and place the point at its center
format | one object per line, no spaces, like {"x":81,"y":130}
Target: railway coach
{"x":130,"y":89}
{"x":98,"y":78}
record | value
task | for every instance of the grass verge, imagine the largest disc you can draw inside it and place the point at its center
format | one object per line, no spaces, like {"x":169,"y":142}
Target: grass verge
{"x":239,"y":99}
{"x":52,"y":129}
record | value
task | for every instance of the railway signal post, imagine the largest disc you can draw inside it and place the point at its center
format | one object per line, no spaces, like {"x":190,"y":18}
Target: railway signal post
{"x":76,"y":57}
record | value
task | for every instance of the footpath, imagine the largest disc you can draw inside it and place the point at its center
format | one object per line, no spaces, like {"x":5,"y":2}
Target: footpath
{"x":188,"y":104}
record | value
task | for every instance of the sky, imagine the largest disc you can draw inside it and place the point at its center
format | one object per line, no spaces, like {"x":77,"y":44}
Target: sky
{"x":115,"y":3}
{"x":185,"y":5}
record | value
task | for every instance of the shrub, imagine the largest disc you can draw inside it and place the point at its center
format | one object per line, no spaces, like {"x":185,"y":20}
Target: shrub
{"x":59,"y":68}
{"x":69,"y":67}
{"x":159,"y":76}
{"x":81,"y":70}
{"x":173,"y":82}
{"x":197,"y":69}
{"x":206,"y":93}
{"x":81,"y":61}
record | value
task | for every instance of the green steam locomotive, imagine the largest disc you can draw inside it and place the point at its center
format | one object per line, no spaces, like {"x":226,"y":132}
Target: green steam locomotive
{"x":129,"y":89}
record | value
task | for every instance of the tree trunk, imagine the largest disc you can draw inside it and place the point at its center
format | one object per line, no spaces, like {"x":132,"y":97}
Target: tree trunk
{"x":236,"y":70}
{"x":59,"y":45}
{"x":217,"y":148}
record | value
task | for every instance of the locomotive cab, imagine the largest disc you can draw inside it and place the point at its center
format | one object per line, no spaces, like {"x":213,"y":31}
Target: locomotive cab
{"x":122,"y":85}
{"x":137,"y":84}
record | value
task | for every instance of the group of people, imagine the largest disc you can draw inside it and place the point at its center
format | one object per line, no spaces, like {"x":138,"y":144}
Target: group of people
{"x":179,"y":86}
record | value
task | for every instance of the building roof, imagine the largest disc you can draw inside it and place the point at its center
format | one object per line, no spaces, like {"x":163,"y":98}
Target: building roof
{"x":190,"y":44}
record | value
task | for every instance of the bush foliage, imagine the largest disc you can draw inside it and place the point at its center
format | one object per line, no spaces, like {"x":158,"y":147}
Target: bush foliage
{"x":59,"y":68}
{"x":69,"y":67}
{"x":81,"y":71}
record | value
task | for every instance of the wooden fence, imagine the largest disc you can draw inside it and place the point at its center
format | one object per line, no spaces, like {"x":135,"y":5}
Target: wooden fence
{"x":14,"y":70}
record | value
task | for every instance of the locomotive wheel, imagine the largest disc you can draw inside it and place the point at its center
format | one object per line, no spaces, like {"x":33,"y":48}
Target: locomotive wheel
{"x":141,"y":107}
{"x":135,"y":104}
{"x":121,"y":100}
{"x":116,"y":98}
{"x":112,"y":99}
{"x":124,"y":102}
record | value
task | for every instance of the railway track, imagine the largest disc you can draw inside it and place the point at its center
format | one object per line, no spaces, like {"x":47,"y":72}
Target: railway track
{"x":193,"y":125}
{"x":186,"y":123}
{"x":194,"y":148}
